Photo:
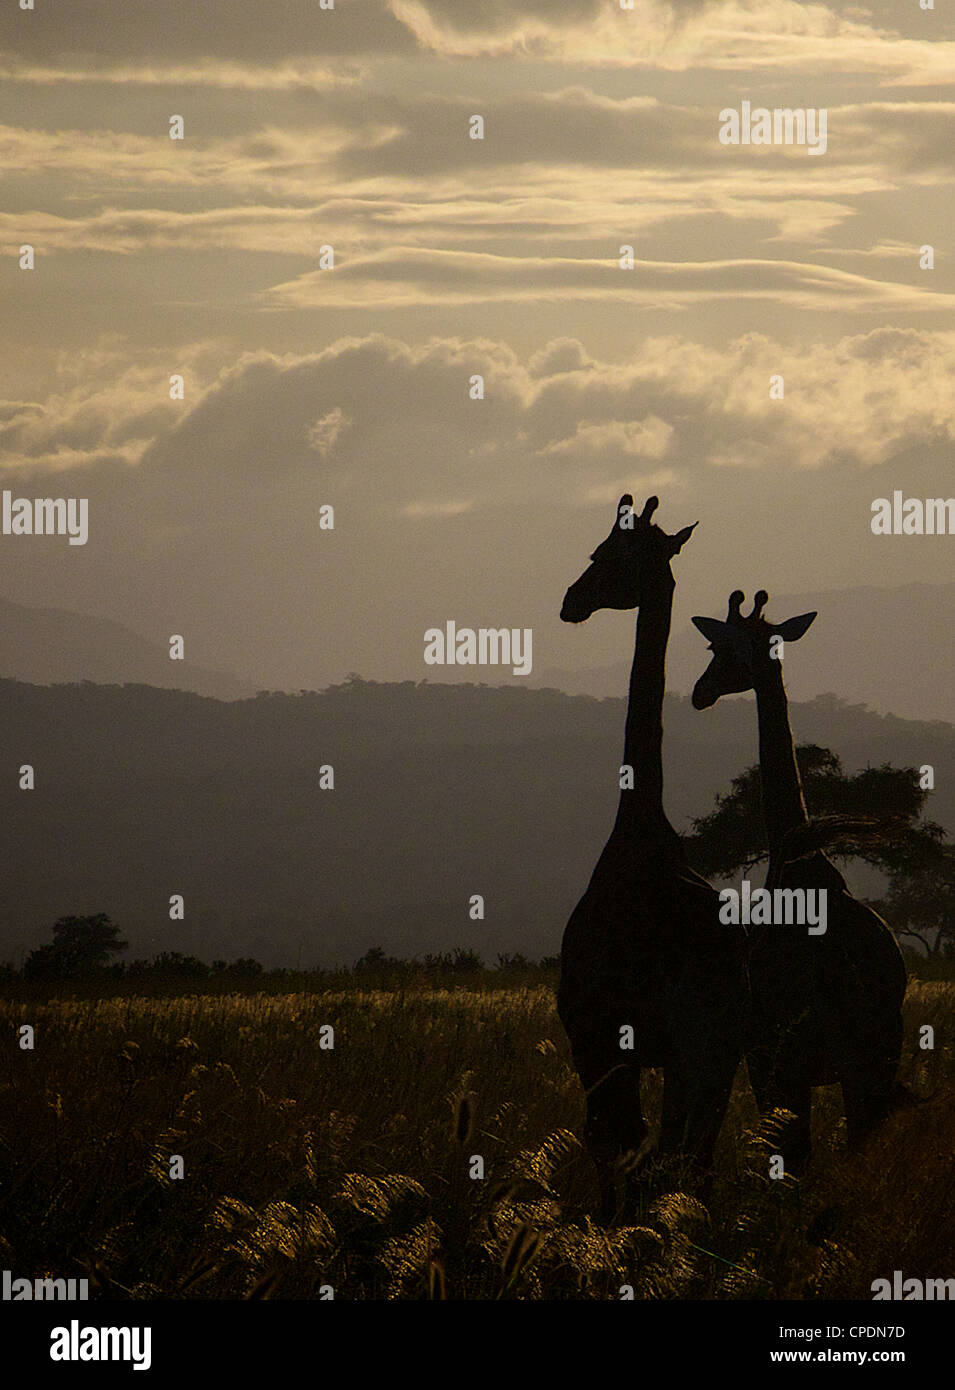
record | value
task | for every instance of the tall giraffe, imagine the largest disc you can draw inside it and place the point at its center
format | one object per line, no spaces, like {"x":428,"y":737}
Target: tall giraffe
{"x":644,"y":948}
{"x":825,"y":1008}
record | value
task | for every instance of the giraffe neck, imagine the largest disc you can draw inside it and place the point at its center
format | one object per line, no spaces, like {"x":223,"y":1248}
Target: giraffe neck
{"x":784,"y":807}
{"x":641,"y":811}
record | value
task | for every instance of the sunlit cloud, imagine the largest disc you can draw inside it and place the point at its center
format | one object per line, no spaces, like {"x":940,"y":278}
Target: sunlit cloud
{"x":410,"y":275}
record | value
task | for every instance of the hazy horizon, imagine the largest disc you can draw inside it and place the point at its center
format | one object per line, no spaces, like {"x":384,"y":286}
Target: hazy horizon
{"x":54,"y":646}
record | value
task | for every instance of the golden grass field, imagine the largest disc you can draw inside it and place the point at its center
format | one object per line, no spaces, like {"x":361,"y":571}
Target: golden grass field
{"x":349,"y":1168}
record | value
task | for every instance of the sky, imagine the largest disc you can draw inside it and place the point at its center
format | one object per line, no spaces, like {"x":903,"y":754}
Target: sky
{"x":348,"y":386}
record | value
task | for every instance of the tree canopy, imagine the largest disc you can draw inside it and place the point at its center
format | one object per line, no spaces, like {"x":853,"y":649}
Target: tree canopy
{"x":920,"y":900}
{"x":80,"y":946}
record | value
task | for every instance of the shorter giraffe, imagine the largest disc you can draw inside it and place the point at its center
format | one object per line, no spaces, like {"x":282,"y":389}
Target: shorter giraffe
{"x":650,"y":977}
{"x":825,"y":1008}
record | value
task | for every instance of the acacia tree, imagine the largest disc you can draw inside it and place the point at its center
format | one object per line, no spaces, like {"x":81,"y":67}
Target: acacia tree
{"x":921,"y":904}
{"x":920,"y":899}
{"x":80,"y":946}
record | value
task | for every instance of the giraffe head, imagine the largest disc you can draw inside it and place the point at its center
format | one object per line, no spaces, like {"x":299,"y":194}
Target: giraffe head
{"x":742,"y":648}
{"x":635,"y":551}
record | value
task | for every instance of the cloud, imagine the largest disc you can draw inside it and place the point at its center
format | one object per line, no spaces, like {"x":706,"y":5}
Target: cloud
{"x":325,"y":432}
{"x":884,"y":250}
{"x":682,"y":35}
{"x":108,"y":413}
{"x":285,"y":77}
{"x":881,"y":39}
{"x":398,"y":174}
{"x":638,"y":207}
{"x":444,"y":503}
{"x":413,"y":276}
{"x":106,"y":160}
{"x":649,"y":438}
{"x":379,"y":417}
{"x":560,"y":355}
{"x":103,"y":32}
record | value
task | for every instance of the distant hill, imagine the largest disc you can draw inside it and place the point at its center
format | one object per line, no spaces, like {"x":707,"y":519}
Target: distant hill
{"x":441,"y":792}
{"x":50,"y":645}
{"x":889,"y":648}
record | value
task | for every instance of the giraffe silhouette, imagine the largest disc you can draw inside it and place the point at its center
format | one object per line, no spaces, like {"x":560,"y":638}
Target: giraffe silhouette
{"x":827,"y":1008}
{"x":644,"y":948}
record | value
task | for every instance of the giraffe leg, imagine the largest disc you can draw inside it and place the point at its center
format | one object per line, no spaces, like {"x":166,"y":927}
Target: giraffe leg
{"x":615,"y":1128}
{"x":694,"y":1105}
{"x":708,"y":1099}
{"x":868,"y":1084}
{"x":866,"y":1099}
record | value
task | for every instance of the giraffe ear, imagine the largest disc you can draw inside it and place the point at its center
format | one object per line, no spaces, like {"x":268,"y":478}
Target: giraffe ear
{"x":794,"y":628}
{"x":712,"y":629}
{"x":720,"y":634}
{"x":678,"y":541}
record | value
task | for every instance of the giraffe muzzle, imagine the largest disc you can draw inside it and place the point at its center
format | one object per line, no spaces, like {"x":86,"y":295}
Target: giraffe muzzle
{"x":704,"y":696}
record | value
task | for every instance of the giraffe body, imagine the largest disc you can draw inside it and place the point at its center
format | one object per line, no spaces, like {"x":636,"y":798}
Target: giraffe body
{"x":825,"y":1009}
{"x":645,"y":960}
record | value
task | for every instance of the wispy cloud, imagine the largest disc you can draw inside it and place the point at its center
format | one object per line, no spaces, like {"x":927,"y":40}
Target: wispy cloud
{"x":284,"y":77}
{"x":411,"y":275}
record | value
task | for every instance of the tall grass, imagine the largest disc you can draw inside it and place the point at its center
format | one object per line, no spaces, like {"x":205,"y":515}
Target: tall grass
{"x":350,"y":1168}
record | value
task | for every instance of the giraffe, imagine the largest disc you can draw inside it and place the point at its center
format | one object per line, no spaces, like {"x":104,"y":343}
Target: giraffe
{"x":644,"y":946}
{"x":825,"y":1008}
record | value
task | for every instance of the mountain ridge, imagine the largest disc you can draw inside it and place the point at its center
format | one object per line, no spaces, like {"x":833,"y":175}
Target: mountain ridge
{"x":46,"y":646}
{"x":440,"y":792}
